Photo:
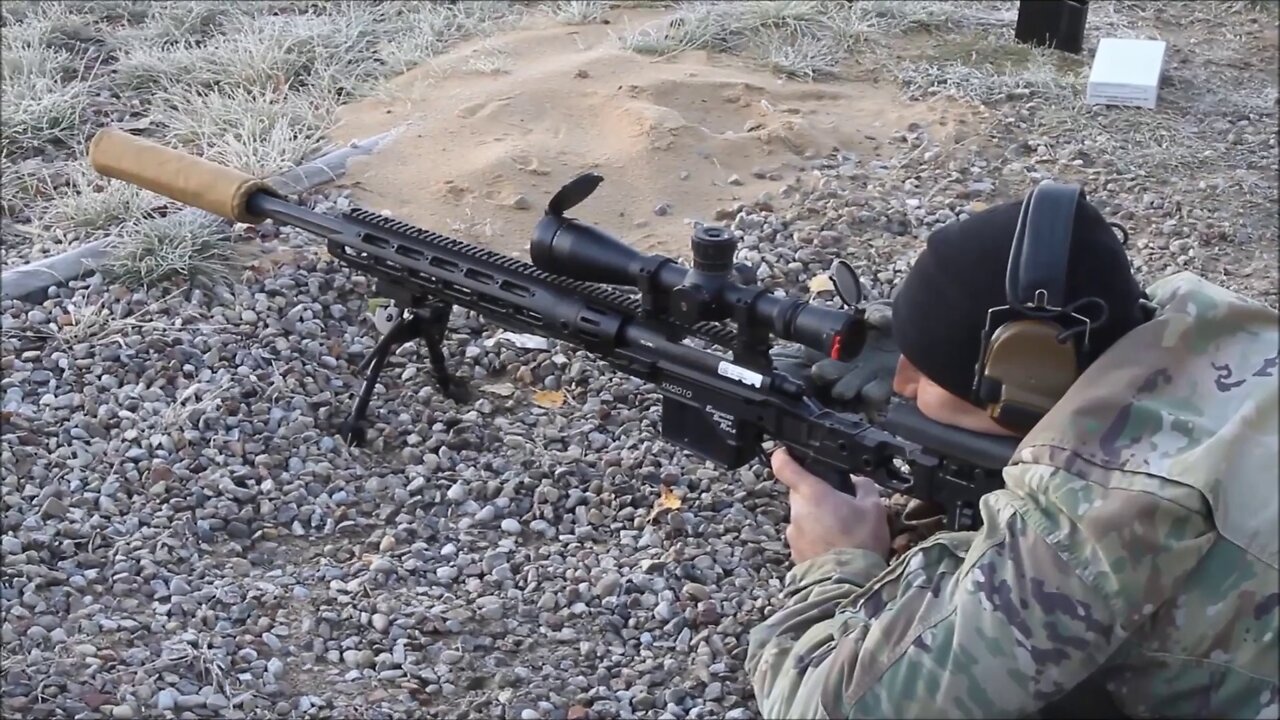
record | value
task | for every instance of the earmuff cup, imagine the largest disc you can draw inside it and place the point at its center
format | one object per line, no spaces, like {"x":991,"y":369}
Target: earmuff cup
{"x":1027,"y":370}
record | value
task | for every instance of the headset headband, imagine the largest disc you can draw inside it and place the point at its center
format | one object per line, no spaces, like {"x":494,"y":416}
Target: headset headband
{"x":1037,"y":272}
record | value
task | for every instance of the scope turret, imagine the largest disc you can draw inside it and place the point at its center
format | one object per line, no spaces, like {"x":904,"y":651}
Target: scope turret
{"x":713,"y":249}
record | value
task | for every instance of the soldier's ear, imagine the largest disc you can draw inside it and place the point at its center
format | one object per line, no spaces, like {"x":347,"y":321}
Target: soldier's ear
{"x":906,"y":379}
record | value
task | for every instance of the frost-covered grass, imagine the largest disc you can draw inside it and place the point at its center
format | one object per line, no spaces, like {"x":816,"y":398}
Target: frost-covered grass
{"x":253,"y":85}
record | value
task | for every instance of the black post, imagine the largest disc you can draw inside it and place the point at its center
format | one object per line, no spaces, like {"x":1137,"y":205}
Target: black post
{"x":1058,"y":24}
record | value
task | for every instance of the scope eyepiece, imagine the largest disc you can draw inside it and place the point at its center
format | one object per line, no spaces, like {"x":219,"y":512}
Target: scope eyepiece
{"x":839,"y":334}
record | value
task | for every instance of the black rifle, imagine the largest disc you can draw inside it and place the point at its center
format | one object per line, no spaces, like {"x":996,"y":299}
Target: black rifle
{"x":717,"y":407}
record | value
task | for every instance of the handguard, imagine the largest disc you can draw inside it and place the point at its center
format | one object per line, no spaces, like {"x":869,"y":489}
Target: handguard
{"x":188,"y":179}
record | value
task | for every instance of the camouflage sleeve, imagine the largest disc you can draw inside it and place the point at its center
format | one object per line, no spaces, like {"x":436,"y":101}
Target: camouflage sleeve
{"x":994,"y":623}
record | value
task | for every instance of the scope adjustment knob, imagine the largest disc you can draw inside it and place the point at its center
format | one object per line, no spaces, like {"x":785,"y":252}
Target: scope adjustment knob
{"x":688,"y":303}
{"x":713,"y":249}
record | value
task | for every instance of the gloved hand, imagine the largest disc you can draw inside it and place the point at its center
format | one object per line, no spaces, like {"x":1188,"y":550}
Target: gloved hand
{"x":865,"y":383}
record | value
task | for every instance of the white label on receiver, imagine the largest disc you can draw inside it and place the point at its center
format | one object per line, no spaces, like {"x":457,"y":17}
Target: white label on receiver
{"x":741,"y":374}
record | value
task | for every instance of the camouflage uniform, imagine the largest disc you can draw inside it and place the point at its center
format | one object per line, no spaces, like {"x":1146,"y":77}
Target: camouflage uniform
{"x":1135,"y":545}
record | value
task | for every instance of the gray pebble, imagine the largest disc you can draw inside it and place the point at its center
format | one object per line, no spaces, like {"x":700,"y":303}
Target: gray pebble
{"x":458,"y":492}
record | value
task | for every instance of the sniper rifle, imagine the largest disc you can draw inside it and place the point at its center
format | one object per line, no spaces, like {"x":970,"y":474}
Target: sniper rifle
{"x":721,"y":408}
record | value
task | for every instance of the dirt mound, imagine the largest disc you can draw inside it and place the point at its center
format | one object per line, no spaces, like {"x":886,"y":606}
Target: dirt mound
{"x":493,"y":128}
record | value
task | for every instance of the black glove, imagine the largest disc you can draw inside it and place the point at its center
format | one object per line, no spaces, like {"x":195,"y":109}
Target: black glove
{"x":865,"y":383}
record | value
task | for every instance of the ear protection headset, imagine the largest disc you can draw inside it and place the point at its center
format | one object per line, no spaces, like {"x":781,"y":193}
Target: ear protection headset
{"x":1028,"y":356}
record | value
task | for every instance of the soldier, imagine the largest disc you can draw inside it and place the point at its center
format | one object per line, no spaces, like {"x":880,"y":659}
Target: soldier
{"x":1133,"y":550}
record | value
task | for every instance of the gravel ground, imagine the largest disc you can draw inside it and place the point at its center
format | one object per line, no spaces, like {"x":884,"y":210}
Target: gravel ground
{"x":185,"y":536}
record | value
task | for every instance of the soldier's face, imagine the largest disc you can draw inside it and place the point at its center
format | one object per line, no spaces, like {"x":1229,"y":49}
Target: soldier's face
{"x":939,"y":405}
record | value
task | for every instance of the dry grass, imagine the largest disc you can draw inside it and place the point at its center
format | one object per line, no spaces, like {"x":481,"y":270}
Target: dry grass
{"x":811,"y":39}
{"x":259,"y":131}
{"x":253,"y":85}
{"x":579,"y":12}
{"x":488,"y":59}
{"x":44,"y":91}
{"x":93,"y":204}
{"x":193,"y":247}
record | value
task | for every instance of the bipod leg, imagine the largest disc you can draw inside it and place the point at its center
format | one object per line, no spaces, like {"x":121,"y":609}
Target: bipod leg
{"x":430,"y":324}
{"x":353,"y":429}
{"x":434,"y":324}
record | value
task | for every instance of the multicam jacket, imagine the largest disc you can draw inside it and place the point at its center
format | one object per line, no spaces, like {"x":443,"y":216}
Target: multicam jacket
{"x":1135,"y":545}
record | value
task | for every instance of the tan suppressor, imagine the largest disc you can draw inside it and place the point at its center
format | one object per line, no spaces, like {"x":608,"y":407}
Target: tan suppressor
{"x":188,"y":179}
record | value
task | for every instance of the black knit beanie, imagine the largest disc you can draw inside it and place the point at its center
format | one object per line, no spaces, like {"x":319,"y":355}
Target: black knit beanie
{"x":940,"y":310}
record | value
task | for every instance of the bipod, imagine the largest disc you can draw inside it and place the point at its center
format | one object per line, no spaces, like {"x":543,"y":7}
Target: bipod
{"x":428,"y":323}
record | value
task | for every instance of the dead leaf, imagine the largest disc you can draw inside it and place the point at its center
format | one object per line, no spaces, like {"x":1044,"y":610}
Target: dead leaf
{"x":667,"y":500}
{"x":548,"y":398}
{"x":821,"y":283}
{"x":978,"y":206}
{"x":95,"y":699}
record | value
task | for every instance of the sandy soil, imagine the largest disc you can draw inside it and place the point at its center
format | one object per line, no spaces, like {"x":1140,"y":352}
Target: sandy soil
{"x":482,"y":149}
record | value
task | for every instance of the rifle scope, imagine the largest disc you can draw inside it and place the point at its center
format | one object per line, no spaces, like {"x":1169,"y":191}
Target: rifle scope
{"x":713,"y":289}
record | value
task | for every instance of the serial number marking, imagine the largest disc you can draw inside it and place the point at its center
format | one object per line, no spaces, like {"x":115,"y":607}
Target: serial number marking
{"x":741,"y":374}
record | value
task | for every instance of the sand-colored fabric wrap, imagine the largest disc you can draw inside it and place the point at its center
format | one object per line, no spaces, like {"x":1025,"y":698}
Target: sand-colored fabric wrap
{"x":188,"y":179}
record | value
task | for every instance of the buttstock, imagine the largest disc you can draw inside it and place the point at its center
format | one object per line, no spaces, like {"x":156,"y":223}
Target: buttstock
{"x":174,"y":174}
